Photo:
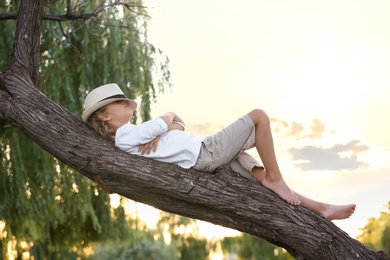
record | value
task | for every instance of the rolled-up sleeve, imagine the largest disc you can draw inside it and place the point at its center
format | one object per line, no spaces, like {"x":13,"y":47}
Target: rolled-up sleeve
{"x":129,"y":136}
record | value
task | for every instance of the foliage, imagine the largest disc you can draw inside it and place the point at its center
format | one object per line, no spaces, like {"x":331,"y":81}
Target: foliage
{"x":176,"y":237}
{"x":145,"y":249}
{"x":250,"y":247}
{"x":183,"y":233}
{"x":44,"y":203}
{"x":376,"y":233}
{"x":135,"y":242}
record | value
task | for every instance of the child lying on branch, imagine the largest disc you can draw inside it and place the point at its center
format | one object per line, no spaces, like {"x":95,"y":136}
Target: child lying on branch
{"x":108,"y":111}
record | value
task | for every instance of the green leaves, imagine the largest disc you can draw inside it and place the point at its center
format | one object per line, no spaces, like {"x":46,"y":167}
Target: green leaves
{"x":376,"y":233}
{"x":43,"y":201}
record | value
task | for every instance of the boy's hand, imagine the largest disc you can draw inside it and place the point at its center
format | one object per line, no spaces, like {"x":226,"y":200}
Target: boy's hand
{"x":148,"y":147}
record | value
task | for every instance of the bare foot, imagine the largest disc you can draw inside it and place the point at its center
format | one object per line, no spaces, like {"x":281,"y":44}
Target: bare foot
{"x":332,"y":212}
{"x":281,"y":189}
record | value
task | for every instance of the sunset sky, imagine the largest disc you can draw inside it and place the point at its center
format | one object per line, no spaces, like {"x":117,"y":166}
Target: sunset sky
{"x":321,"y":70}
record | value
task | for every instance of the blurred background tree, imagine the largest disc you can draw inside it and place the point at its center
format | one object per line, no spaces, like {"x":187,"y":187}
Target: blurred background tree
{"x":183,"y":233}
{"x":47,"y":208}
{"x":249,"y":247}
{"x":376,"y":233}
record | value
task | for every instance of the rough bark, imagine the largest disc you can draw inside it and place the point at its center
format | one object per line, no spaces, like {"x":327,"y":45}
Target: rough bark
{"x":223,"y":198}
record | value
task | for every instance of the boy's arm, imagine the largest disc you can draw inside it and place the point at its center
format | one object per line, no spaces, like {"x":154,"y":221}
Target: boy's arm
{"x":173,"y":121}
{"x":148,"y":147}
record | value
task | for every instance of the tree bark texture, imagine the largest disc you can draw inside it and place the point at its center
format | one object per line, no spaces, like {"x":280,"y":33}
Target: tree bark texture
{"x":223,"y":198}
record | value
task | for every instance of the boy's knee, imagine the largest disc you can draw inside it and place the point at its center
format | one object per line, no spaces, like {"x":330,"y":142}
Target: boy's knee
{"x":259,"y":115}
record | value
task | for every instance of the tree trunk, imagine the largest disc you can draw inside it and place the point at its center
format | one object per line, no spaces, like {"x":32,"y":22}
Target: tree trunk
{"x":223,"y":198}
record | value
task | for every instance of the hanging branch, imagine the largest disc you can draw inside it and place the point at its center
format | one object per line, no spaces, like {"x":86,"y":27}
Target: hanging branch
{"x":71,"y":16}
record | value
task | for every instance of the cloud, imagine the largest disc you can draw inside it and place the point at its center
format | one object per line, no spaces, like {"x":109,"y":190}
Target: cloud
{"x":295,"y":130}
{"x":204,"y":129}
{"x":317,"y":128}
{"x":337,"y":157}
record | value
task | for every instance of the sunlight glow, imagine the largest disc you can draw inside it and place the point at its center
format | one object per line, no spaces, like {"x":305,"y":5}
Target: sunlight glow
{"x":319,"y":69}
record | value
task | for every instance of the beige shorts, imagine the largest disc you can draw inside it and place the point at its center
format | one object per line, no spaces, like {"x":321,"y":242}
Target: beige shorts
{"x":228,"y":147}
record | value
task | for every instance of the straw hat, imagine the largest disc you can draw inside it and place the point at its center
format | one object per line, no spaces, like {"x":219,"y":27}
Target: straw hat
{"x":103,"y":95}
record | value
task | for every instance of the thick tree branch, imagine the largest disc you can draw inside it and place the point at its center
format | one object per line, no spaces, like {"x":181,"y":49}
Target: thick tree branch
{"x":27,"y":39}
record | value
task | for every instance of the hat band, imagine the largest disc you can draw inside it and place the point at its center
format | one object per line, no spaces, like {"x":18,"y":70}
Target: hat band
{"x":114,"y":96}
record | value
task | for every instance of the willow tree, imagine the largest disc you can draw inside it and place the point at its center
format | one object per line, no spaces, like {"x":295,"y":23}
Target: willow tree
{"x":223,"y":198}
{"x":83,"y":45}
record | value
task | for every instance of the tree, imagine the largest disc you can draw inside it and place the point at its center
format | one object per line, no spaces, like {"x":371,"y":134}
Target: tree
{"x":237,"y":203}
{"x":250,"y":247}
{"x":376,"y":233}
{"x":135,"y":242}
{"x":183,"y":233}
{"x":43,"y":201}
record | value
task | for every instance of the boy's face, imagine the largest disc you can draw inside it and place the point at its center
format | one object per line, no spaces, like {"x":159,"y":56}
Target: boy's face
{"x":117,"y":113}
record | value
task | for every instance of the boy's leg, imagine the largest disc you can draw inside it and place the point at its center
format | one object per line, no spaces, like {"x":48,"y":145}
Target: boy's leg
{"x":328,"y":211}
{"x":273,"y":179}
{"x":243,"y":164}
{"x":225,"y":146}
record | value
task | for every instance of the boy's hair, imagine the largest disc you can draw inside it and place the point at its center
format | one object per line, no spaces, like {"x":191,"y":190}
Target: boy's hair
{"x":99,"y":126}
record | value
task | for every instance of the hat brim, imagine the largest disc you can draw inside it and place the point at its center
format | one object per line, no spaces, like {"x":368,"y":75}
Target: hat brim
{"x":89,"y":111}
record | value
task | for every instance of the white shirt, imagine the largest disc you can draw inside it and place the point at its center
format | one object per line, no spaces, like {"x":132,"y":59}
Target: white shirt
{"x":177,"y":147}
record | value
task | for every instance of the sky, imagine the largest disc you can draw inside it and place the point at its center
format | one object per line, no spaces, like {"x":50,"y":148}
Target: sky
{"x":320,"y":69}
